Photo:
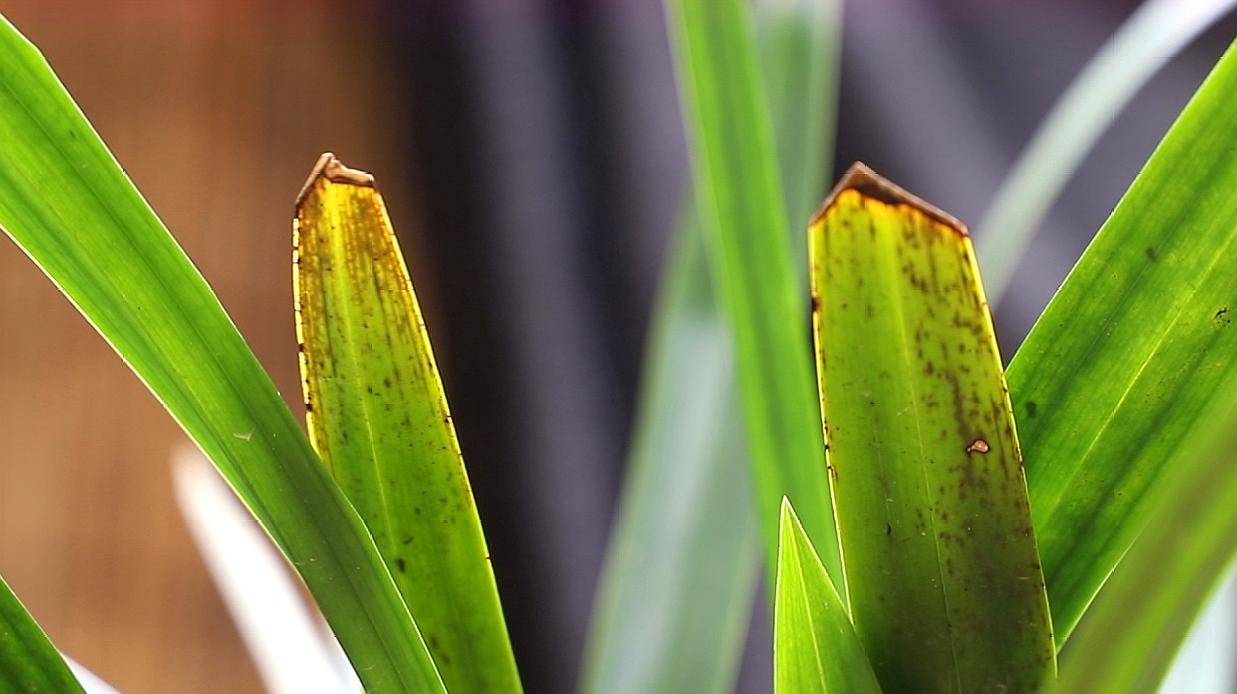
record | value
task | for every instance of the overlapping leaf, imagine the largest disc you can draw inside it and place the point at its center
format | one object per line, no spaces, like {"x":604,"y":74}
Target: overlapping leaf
{"x":66,"y":202}
{"x":1142,"y":615}
{"x":815,"y":649}
{"x":680,"y":574}
{"x":1134,"y":353}
{"x":738,"y":194}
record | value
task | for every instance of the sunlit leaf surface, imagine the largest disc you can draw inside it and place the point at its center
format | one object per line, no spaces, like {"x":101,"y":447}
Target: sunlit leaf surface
{"x":1135,"y":353}
{"x":378,"y":416}
{"x":945,"y":583}
{"x":815,"y":649}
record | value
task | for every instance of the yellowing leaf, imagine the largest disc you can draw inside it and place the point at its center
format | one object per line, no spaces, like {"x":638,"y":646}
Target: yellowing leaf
{"x":378,"y":417}
{"x":945,"y":584}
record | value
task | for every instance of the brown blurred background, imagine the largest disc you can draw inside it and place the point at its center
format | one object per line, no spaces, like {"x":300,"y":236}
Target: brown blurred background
{"x":531,"y":155}
{"x":217,"y":110}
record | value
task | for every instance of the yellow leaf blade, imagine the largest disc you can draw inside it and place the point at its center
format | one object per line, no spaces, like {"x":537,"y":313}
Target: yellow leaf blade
{"x":378,"y":416}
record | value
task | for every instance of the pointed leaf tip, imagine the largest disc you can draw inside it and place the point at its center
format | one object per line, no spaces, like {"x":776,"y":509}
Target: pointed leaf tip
{"x":862,"y":179}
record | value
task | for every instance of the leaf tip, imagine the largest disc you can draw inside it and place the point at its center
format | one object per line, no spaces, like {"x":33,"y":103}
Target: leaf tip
{"x":788,"y":521}
{"x":332,"y":169}
{"x":862,"y":179}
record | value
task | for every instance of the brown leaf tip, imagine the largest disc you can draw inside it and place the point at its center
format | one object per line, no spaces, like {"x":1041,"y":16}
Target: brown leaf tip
{"x":862,"y":179}
{"x":332,"y":169}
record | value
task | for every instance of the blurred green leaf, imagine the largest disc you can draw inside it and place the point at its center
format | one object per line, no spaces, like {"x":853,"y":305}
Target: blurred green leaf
{"x":378,"y":416}
{"x":815,"y":649}
{"x":945,"y":583}
{"x":28,"y":661}
{"x":1142,"y":615}
{"x":70,"y":207}
{"x":739,"y":198}
{"x":1134,"y":352}
{"x":676,"y":592}
{"x":1151,"y":36}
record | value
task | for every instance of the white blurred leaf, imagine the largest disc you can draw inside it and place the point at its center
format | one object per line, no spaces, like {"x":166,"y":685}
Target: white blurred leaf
{"x":291,"y":647}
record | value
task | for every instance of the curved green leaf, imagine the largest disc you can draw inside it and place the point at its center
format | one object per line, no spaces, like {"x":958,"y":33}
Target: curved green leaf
{"x":945,"y":583}
{"x":378,"y":416}
{"x":28,"y":661}
{"x":65,"y":201}
{"x":815,"y":649}
{"x":1134,"y":352}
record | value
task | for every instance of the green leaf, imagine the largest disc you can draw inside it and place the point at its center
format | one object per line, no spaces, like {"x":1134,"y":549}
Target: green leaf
{"x":681,"y":564}
{"x":28,"y":661}
{"x":70,"y":207}
{"x":800,"y":43}
{"x":1143,"y":44}
{"x":1134,"y":352}
{"x":738,"y":194}
{"x":284,"y":637}
{"x":378,"y":416}
{"x":815,"y":649}
{"x":1142,"y":615}
{"x":676,"y":593}
{"x":946,"y":589}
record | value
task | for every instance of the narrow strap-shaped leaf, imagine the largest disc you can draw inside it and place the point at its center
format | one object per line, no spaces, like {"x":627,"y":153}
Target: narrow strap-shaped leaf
{"x":1142,"y":615}
{"x":28,"y":661}
{"x":815,"y":649}
{"x":676,"y":596}
{"x":1134,"y":351}
{"x":70,"y":207}
{"x":683,"y":557}
{"x":378,"y":416}
{"x":738,"y":193}
{"x":945,"y":583}
{"x":800,"y":44}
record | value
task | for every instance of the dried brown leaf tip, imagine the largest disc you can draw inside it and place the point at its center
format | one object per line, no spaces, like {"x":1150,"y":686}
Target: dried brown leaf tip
{"x":332,"y":169}
{"x":863,"y":180}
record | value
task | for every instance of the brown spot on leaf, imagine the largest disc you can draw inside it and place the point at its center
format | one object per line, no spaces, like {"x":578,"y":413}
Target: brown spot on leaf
{"x":978,"y":446}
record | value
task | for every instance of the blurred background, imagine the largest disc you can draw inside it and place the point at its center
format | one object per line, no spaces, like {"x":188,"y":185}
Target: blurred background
{"x":532,"y":156}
